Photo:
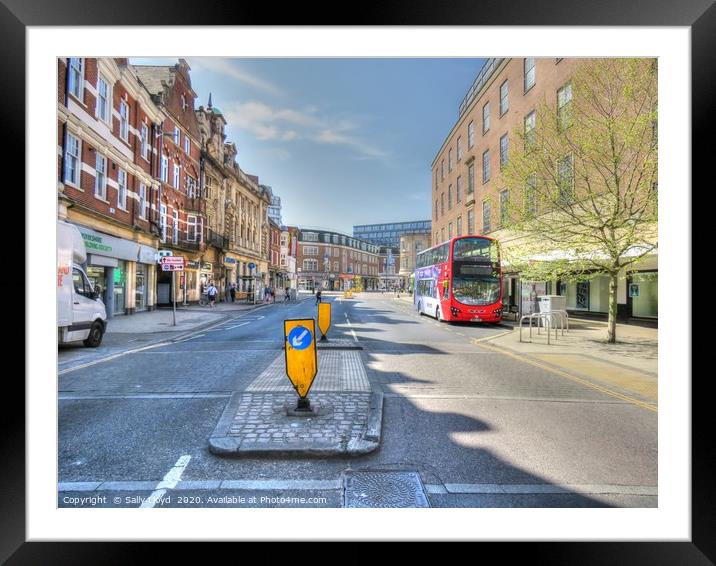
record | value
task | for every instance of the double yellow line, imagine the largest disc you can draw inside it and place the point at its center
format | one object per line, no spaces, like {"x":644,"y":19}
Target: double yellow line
{"x":481,"y":342}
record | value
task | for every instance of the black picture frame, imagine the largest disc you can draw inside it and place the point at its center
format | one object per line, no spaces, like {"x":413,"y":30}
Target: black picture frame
{"x":699,"y":15}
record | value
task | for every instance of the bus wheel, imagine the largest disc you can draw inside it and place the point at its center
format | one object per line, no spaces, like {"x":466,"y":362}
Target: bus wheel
{"x":420,"y":310}
{"x":437,"y":314}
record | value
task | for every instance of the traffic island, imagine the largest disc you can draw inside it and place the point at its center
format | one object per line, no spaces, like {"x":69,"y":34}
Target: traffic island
{"x":348,"y":421}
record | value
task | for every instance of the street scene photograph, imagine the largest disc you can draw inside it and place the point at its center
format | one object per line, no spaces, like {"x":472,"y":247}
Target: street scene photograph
{"x":336,"y":282}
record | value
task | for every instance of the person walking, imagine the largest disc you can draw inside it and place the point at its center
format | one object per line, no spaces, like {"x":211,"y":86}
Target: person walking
{"x":212,"y":292}
{"x":287,"y":296}
{"x":232,"y":292}
{"x":318,"y":296}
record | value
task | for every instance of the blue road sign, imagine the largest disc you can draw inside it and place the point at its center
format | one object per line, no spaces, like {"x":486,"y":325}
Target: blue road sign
{"x":252,"y":265}
{"x":300,"y":338}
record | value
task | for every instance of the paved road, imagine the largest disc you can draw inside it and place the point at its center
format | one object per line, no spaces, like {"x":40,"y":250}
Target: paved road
{"x":481,"y":428}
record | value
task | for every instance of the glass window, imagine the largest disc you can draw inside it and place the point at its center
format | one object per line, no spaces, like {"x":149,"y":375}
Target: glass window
{"x":450,"y":159}
{"x":72,"y":160}
{"x":442,"y":169}
{"x":124,"y":120}
{"x":442,"y":204}
{"x":486,"y":118}
{"x":103,"y":101}
{"x":504,"y":98}
{"x":644,"y":294}
{"x":529,"y":73}
{"x":145,"y":141}
{"x":459,"y":225}
{"x":486,"y":166}
{"x":564,"y":104}
{"x":529,"y":130}
{"x":191,"y":232}
{"x":458,"y":189}
{"x":163,"y":221}
{"x":486,"y":212}
{"x":177,"y":135}
{"x":471,"y":178}
{"x":459,"y":148}
{"x":120,"y":282}
{"x":449,"y":197}
{"x":175,"y":170}
{"x":565,"y":177}
{"x":100,"y":180}
{"x":470,"y":134}
{"x":140,"y":287}
{"x":165,"y":169}
{"x":450,"y":230}
{"x":187,"y":145}
{"x":76,"y":79}
{"x":503,"y":150}
{"x":504,"y":201}
{"x":175,"y":226}
{"x":82,"y":286}
{"x":471,"y":221}
{"x":122,"y":194}
{"x":143,"y":201}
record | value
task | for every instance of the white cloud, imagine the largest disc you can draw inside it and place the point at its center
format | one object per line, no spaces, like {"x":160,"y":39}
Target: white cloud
{"x":231,"y":69}
{"x":286,"y":124}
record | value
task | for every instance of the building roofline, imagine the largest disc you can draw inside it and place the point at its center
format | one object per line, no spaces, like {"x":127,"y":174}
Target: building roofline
{"x":472,"y":98}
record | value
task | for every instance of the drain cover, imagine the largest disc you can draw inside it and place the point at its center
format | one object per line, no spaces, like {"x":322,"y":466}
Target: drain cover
{"x":384,"y":489}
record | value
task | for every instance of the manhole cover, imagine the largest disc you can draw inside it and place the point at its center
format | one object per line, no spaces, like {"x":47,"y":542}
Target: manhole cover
{"x":384,"y":489}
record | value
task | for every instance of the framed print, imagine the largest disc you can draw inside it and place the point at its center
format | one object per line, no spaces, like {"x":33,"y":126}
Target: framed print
{"x":219,"y":171}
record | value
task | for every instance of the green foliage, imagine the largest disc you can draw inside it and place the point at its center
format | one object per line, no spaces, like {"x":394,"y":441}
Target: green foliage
{"x":583,"y":194}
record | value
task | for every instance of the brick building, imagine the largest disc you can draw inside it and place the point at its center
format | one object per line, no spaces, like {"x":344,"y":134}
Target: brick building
{"x":182,"y":211}
{"x":467,"y":195}
{"x":332,"y":260}
{"x":106,"y":125}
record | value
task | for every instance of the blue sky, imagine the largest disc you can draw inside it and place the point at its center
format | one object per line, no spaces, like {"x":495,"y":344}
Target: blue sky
{"x":341,"y":141}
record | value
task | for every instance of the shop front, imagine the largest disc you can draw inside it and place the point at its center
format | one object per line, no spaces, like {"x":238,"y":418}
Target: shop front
{"x":121,"y":270}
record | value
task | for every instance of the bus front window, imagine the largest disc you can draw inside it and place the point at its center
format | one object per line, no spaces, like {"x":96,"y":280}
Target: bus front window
{"x":476,"y":290}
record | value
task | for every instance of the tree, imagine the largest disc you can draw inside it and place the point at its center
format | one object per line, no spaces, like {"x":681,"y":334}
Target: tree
{"x":582,"y":183}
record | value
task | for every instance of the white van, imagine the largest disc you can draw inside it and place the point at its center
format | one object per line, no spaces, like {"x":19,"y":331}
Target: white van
{"x":81,"y":314}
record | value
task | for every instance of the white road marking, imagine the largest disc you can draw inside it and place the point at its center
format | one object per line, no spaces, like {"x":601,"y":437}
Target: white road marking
{"x":187,"y":339}
{"x":112,"y":357}
{"x":169,"y":482}
{"x":236,"y":325}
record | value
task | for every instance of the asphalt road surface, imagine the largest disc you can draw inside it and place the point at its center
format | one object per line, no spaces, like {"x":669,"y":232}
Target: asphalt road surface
{"x":482,"y":429}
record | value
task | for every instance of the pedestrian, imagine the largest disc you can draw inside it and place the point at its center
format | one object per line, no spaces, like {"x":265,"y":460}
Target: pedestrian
{"x":232,"y":292}
{"x":287,"y":296}
{"x":272,"y":294}
{"x":318,"y":296}
{"x":212,"y":292}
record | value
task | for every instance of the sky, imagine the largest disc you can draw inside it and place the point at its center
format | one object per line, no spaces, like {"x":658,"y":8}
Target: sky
{"x":342,"y":141}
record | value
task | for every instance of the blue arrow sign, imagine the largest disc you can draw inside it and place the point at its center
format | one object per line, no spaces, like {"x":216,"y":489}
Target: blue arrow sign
{"x":300,"y":338}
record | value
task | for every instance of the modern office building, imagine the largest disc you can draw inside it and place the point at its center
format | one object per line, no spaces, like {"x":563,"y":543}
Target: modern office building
{"x":389,"y":234}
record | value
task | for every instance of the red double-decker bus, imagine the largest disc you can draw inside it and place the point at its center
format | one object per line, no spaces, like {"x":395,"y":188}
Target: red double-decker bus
{"x":460,"y":280}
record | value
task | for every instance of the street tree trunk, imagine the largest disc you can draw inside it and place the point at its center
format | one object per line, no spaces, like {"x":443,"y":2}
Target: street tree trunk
{"x":612,"y":323}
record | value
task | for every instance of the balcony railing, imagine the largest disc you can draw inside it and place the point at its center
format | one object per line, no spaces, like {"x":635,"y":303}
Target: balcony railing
{"x":217,"y":240}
